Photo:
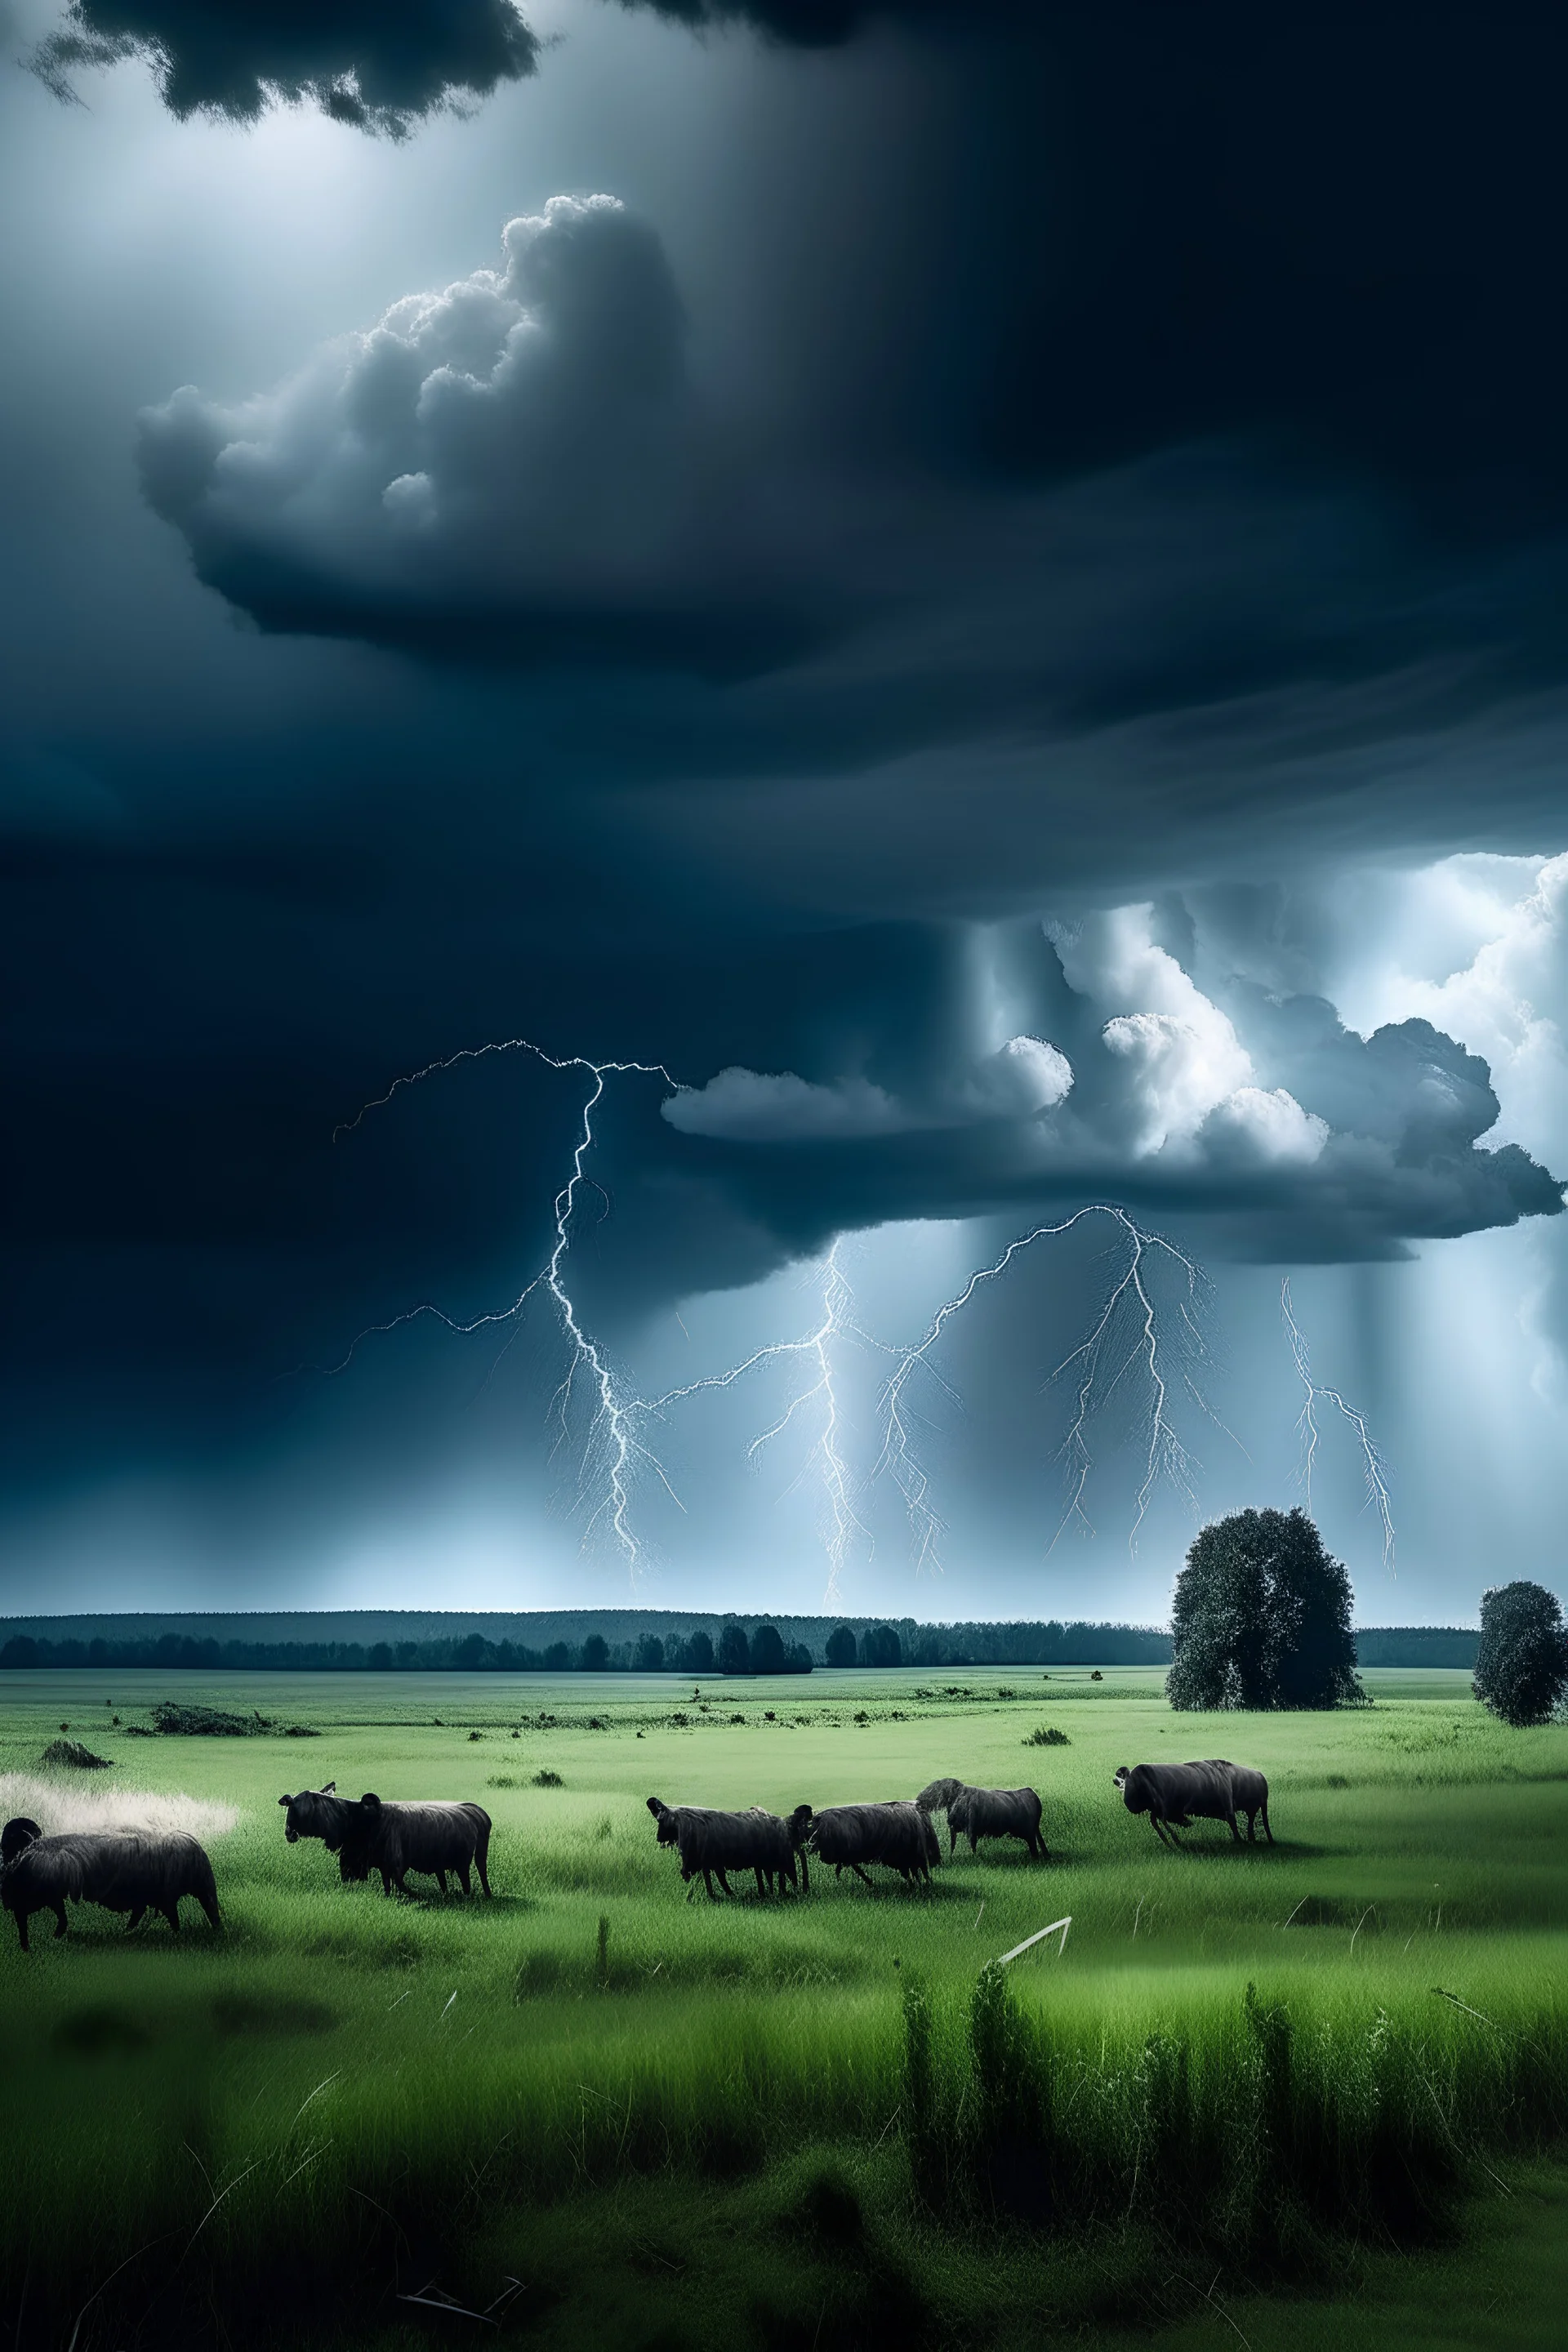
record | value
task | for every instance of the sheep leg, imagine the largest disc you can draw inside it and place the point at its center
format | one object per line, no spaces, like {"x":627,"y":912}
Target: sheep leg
{"x":1266,"y":1830}
{"x":952,"y":1838}
{"x":21,"y":1919}
{"x":764,"y":1884}
{"x":171,"y":1912}
{"x":1162,"y":1830}
{"x":861,"y":1876}
{"x":480,"y":1857}
{"x":974,"y":1841}
{"x":136,"y":1918}
{"x":209,"y":1905}
{"x":1235,"y":1832}
{"x":59,"y":1911}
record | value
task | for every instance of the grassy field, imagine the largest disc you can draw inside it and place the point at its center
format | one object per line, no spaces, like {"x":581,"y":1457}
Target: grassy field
{"x":598,"y":2113}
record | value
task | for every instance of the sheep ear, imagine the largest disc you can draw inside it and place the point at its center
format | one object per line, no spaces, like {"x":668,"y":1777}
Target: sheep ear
{"x":327,"y":1789}
{"x":369,"y":1802}
{"x":285,"y":1800}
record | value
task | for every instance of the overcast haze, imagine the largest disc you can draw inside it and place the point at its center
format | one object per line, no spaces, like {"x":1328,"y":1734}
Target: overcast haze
{"x":984,"y":590}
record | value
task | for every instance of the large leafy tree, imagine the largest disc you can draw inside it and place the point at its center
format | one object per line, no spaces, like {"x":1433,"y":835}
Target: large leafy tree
{"x":1522,"y":1663}
{"x":734,"y":1650}
{"x":1262,"y":1618}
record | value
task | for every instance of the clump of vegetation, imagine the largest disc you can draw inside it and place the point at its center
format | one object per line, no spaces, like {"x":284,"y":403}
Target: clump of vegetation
{"x":546,"y":1779}
{"x":1262,"y":1618}
{"x":1046,"y":1734}
{"x":1521,"y":1665}
{"x":292,"y":1730}
{"x":503,"y":1781}
{"x":72,"y":1752}
{"x":207,"y":1722}
{"x":475,"y":1734}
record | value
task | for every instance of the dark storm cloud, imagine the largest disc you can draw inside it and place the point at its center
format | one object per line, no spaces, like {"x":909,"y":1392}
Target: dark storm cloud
{"x":1306,"y":1139}
{"x":378,"y":66}
{"x":1172,"y":485}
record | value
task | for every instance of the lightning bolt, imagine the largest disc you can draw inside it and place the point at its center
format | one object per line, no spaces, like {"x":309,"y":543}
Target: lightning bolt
{"x":613,"y":1451}
{"x":1129,"y":1302}
{"x":1376,"y":1477}
{"x":842,"y":1525}
{"x":1124,"y":1342}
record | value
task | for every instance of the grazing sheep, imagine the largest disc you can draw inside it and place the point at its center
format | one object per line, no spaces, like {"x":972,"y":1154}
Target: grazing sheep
{"x":135,"y":1870}
{"x":1174,"y":1795}
{"x":711,"y":1843}
{"x":977,"y":1813}
{"x":897,"y":1834}
{"x":393,"y":1837}
{"x":1251,"y":1792}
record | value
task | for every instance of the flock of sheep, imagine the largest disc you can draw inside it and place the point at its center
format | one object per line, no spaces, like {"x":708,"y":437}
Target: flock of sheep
{"x":137,"y":1870}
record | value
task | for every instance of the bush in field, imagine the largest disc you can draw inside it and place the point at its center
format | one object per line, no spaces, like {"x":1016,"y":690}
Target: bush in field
{"x":1262,"y":1618}
{"x":72,"y":1752}
{"x":206,"y":1722}
{"x":1521,"y":1665}
{"x":880,"y":1646}
{"x":840,"y":1651}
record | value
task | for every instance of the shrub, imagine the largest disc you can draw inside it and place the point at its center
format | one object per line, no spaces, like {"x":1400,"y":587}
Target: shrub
{"x":546,"y":1779}
{"x":72,"y":1752}
{"x":1262,"y":1618}
{"x":1521,"y":1665}
{"x":1046,"y":1734}
{"x":840,"y":1650}
{"x":207,"y":1722}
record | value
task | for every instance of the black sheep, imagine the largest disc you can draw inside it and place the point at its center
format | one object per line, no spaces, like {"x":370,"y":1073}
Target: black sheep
{"x":135,"y":1871}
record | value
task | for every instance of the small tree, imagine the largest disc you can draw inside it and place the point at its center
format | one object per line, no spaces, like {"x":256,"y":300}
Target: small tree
{"x":1521,"y":1663}
{"x":650,"y":1655}
{"x":880,"y":1646}
{"x":840,"y":1649}
{"x":734,"y":1650}
{"x":1262,"y":1618}
{"x":596,"y":1655}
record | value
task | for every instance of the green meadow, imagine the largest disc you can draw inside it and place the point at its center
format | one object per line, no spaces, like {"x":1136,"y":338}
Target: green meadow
{"x":590,"y":2111}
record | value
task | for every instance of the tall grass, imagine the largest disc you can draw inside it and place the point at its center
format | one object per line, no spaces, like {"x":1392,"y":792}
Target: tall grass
{"x":845,"y":2102}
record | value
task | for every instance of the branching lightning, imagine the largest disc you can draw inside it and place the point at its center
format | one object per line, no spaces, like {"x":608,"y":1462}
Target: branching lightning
{"x":1375,"y":1474}
{"x":612,"y":1452}
{"x":1127,"y":1342}
{"x":842,"y":1524}
{"x":1129,"y":1300}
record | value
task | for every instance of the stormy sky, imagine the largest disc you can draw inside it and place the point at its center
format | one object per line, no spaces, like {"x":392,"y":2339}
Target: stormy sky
{"x":984,"y":590}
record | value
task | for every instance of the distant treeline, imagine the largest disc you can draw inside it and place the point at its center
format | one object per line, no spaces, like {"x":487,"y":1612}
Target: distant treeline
{"x":622,"y":1642}
{"x":587,"y":1641}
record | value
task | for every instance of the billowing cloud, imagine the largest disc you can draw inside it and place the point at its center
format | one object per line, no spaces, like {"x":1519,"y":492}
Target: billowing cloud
{"x":364,"y":62}
{"x":751,"y":1106}
{"x":513,"y":468}
{"x":1022,"y":1078}
{"x":1294,"y":1137}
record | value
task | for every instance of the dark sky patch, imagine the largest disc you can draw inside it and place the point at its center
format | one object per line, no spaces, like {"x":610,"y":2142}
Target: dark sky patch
{"x":378,"y":67}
